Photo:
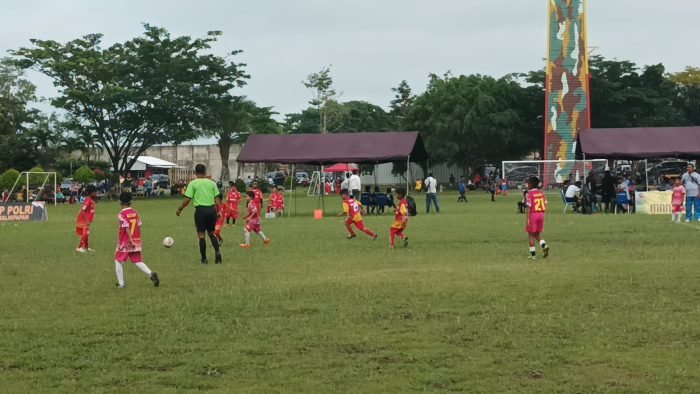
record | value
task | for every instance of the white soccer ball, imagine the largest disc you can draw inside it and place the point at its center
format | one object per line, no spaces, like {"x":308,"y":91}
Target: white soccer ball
{"x":168,"y":242}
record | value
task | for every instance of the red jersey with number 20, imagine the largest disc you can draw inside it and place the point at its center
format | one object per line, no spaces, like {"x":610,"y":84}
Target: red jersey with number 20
{"x":129,"y":223}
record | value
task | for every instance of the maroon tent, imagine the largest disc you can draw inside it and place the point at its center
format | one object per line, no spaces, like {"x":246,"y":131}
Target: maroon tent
{"x":320,"y":149}
{"x":639,"y":143}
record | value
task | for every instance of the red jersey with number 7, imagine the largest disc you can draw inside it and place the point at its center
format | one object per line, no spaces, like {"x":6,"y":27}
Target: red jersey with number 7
{"x":129,"y":224}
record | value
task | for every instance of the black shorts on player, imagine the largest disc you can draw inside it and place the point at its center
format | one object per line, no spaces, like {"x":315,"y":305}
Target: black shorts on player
{"x":205,"y":219}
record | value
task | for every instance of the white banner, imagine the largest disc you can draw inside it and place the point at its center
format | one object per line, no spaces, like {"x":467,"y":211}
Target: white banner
{"x":654,"y":203}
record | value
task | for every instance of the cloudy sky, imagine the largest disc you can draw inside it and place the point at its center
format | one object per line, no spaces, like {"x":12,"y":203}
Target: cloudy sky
{"x":372,"y":44}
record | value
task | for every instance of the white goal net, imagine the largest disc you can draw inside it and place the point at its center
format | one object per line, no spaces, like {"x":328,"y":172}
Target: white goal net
{"x":552,"y":173}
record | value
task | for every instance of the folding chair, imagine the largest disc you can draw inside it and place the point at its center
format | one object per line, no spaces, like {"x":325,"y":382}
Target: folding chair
{"x":566,"y":203}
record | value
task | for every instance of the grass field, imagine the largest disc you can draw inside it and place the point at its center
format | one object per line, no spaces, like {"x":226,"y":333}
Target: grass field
{"x":614,"y":309}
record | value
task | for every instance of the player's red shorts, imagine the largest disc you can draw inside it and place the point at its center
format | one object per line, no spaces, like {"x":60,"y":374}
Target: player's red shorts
{"x":360,"y":225}
{"x":536,"y":223}
{"x":232,"y":213}
{"x":255,"y":228}
{"x":82,"y":231}
{"x":135,"y":257}
{"x":677,"y":208}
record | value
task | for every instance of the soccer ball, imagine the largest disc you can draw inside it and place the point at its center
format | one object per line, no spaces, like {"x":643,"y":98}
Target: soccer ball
{"x":168,"y":242}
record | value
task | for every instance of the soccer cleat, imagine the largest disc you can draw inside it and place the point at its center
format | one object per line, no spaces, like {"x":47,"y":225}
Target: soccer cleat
{"x":217,"y":259}
{"x":531,"y":257}
{"x":351,"y":236}
{"x":118,"y":286}
{"x":392,"y":246}
{"x":245,"y":246}
{"x":405,"y":242}
{"x":687,"y":220}
{"x":90,"y":249}
{"x":204,"y":261}
{"x":375,"y":237}
{"x":154,"y":279}
{"x":266,"y":242}
{"x":545,"y":252}
{"x":80,"y":250}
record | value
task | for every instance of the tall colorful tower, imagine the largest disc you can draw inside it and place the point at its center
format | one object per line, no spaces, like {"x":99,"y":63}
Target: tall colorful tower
{"x":567,"y":85}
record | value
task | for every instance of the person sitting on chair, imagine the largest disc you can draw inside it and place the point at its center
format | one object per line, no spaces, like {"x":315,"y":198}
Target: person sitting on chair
{"x":573,"y":195}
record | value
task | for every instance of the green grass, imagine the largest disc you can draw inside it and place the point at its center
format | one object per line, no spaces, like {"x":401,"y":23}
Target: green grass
{"x":614,"y":308}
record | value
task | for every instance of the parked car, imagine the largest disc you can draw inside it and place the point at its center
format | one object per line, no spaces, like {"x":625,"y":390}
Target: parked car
{"x":302,"y":178}
{"x":277,"y":178}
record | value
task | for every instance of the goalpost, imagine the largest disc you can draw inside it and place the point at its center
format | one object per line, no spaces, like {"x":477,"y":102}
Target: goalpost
{"x":24,"y":176}
{"x":551,"y":172}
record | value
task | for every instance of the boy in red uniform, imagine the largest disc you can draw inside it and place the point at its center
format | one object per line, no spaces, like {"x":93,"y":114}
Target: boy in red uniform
{"x":400,"y":218}
{"x":223,"y":209}
{"x":232,"y":199}
{"x":677,"y":200}
{"x":352,"y":209}
{"x":276,"y":201}
{"x":129,"y":246}
{"x":85,"y":218}
{"x":535,"y":210}
{"x":258,"y":199}
{"x":252,"y":221}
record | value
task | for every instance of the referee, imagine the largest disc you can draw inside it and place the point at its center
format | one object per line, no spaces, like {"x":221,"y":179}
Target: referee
{"x":207,"y":198}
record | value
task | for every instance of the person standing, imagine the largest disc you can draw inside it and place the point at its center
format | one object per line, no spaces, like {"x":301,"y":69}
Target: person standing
{"x":534,"y":225}
{"x":85,"y":218}
{"x":430,"y":184}
{"x":206,"y":198}
{"x":608,"y":190}
{"x":129,"y":244}
{"x":232,"y":200}
{"x":677,"y":201}
{"x":149,"y":186}
{"x":691,"y":181}
{"x":462,"y":188}
{"x":355,"y":184}
{"x":128,"y":183}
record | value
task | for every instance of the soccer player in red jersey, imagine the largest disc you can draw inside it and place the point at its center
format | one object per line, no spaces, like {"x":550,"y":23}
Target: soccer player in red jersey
{"x":352,"y":209}
{"x":276,"y":201}
{"x":85,"y":218}
{"x":232,"y":199}
{"x":252,"y":221}
{"x":258,"y":195}
{"x":129,"y":245}
{"x":400,"y":218}
{"x":535,"y":211}
{"x":220,"y":223}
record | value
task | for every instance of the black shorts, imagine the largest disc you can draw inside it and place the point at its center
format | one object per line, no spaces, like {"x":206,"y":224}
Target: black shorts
{"x":205,"y":219}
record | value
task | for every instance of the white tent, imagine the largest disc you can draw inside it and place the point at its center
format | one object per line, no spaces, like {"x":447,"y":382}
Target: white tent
{"x":142,"y":162}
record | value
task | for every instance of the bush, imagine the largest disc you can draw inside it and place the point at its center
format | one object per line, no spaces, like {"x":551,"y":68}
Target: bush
{"x":36,"y":180}
{"x":8,"y":178}
{"x":59,"y":176}
{"x":84,"y":175}
{"x":240,"y":185}
{"x":264,"y":186}
{"x":288,"y":183}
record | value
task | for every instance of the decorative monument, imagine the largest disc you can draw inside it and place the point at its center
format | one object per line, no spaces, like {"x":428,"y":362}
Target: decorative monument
{"x":567,"y":83}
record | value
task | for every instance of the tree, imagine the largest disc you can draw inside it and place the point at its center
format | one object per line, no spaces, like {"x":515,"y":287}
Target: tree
{"x":471,"y":120}
{"x":322,"y":85}
{"x":16,"y":118}
{"x":84,"y":175}
{"x":622,"y":96}
{"x":149,"y":90}
{"x":235,"y":121}
{"x":348,"y":117}
{"x":688,"y":97}
{"x":402,"y":102}
{"x":8,"y":179}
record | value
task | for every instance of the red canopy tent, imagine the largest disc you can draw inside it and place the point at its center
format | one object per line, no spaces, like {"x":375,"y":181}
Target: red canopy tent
{"x":340,"y":167}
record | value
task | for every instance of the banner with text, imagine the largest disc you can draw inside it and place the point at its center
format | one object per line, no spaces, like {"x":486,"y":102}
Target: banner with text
{"x":23,"y":212}
{"x":654,"y":203}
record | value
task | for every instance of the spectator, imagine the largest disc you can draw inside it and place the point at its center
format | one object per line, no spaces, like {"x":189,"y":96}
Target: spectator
{"x":492,"y":190}
{"x":573,"y":195}
{"x":691,"y":181}
{"x":355,"y":184}
{"x":345,"y":184}
{"x":462,"y":188}
{"x":431,"y":193}
{"x":149,"y":186}
{"x":623,"y":194}
{"x":128,"y":183}
{"x":419,"y":185}
{"x":477,"y":180}
{"x":5,"y":195}
{"x":608,"y":190}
